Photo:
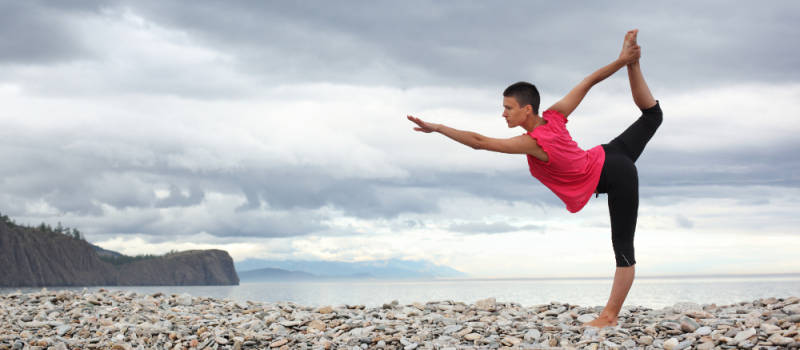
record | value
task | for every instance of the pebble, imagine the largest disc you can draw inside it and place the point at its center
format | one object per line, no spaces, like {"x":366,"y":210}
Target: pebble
{"x":705,"y":346}
{"x":185,"y":299}
{"x":63,"y":320}
{"x":688,"y":324}
{"x":532,"y":335}
{"x":645,"y":340}
{"x":472,"y":336}
{"x":63,"y":329}
{"x":778,"y":339}
{"x":279,"y":343}
{"x":671,"y":344}
{"x":743,"y":335}
{"x":704,"y":330}
{"x":586,"y":318}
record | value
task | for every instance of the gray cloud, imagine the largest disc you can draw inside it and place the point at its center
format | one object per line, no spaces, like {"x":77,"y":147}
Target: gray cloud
{"x":176,"y":197}
{"x":34,"y":32}
{"x":81,"y":183}
{"x":422,"y":43}
{"x":402,"y":44}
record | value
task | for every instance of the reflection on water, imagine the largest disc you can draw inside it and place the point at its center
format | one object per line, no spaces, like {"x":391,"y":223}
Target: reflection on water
{"x":649,"y":292}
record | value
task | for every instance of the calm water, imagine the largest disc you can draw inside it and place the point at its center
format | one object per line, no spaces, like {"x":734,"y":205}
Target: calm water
{"x":650,"y":292}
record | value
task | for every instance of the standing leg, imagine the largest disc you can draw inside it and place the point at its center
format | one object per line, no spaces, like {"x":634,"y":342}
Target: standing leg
{"x":623,"y":280}
{"x":623,"y":207}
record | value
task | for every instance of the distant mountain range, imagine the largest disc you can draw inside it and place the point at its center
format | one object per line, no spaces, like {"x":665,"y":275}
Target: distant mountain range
{"x":260,"y":269}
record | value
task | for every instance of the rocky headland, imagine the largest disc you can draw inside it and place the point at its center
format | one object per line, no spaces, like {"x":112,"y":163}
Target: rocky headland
{"x":31,"y":257}
{"x":125,"y":320}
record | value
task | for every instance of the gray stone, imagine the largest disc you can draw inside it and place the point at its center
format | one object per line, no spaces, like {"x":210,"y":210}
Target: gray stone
{"x":629,"y":344}
{"x":688,"y":324}
{"x":671,"y":344}
{"x":63,"y":329}
{"x":473,"y":336}
{"x":770,"y":328}
{"x":532,"y":335}
{"x":670,"y":325}
{"x":683,"y":307}
{"x":792,"y":309}
{"x":451,"y":329}
{"x":489,"y":304}
{"x":704,"y":330}
{"x":743,"y":335}
{"x":501,"y":322}
{"x":684,"y":344}
{"x":778,"y":339}
{"x":646,"y":340}
{"x":589,"y":332}
{"x":705,"y":346}
{"x":185,"y":299}
{"x":586,"y":318}
{"x":511,"y":341}
{"x":747,"y":344}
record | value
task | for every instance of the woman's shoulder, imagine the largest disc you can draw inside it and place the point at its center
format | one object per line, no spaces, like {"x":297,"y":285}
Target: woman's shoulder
{"x":554,"y":115}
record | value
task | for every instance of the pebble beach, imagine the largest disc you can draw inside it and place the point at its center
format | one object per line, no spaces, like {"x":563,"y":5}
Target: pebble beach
{"x":121,"y":320}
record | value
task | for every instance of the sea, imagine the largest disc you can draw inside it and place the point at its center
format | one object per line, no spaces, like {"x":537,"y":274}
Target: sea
{"x":651,"y":292}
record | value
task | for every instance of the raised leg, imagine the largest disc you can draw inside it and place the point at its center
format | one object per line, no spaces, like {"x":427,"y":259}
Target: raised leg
{"x":641,"y":93}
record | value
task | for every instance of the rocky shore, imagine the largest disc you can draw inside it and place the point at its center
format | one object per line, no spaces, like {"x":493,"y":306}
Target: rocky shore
{"x":125,"y":320}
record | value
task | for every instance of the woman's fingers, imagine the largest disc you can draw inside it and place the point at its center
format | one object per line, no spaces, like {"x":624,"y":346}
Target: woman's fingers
{"x":423,"y":127}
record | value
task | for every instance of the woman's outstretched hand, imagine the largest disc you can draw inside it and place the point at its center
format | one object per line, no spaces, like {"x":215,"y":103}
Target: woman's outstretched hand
{"x":630,"y":50}
{"x":424,"y":126}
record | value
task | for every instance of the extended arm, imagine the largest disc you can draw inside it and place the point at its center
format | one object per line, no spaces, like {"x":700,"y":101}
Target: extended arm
{"x":630,"y":52}
{"x":522,"y":144}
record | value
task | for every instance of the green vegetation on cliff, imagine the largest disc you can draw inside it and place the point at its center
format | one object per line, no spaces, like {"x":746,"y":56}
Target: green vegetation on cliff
{"x":60,"y":256}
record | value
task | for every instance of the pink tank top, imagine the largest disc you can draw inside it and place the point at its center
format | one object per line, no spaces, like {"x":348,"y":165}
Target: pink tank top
{"x":570,"y":172}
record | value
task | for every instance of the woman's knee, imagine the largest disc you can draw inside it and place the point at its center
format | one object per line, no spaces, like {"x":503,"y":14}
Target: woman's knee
{"x":624,"y":256}
{"x":654,"y":115}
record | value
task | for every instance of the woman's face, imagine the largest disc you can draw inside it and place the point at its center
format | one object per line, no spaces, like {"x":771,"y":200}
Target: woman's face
{"x":513,"y":113}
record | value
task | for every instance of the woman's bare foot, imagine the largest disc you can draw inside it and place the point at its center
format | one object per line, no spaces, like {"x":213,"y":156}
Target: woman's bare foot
{"x":630,"y":50}
{"x":630,"y":37}
{"x":630,"y":40}
{"x":602,"y":321}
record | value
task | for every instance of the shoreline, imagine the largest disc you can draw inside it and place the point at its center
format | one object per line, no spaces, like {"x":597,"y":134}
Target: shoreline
{"x":103,"y":319}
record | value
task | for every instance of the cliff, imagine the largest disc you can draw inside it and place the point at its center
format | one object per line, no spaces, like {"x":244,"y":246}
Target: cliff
{"x":193,"y":267}
{"x":35,"y":258}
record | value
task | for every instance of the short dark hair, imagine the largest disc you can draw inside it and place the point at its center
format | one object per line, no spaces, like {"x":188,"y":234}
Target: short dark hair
{"x":525,"y":93}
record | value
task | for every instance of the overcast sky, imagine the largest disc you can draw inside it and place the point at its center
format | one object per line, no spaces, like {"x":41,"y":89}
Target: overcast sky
{"x":277,"y":130}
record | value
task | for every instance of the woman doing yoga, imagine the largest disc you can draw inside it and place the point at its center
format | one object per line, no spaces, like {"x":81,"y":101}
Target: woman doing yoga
{"x":574,"y":174}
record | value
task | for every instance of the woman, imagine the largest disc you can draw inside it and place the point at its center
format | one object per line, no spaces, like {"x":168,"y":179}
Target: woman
{"x":574,"y":174}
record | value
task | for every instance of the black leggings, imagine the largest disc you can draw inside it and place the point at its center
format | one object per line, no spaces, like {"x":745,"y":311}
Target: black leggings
{"x":620,"y":180}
